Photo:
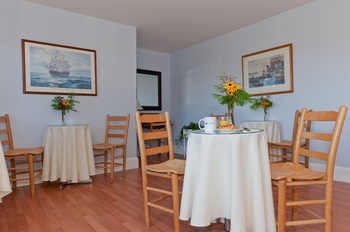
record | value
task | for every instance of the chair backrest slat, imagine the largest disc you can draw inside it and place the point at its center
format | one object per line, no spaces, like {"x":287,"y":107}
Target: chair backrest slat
{"x":313,"y":154}
{"x":155,"y":135}
{"x":156,"y":150}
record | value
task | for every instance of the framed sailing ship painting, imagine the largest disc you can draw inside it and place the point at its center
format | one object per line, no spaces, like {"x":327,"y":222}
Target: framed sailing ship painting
{"x":269,"y":71}
{"x":58,"y":69}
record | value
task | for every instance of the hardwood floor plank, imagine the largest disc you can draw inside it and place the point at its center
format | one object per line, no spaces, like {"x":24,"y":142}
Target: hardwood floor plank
{"x":102,"y":206}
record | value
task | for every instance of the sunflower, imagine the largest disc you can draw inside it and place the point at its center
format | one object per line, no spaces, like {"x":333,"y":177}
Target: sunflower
{"x":230,"y":94}
{"x":65,"y":103}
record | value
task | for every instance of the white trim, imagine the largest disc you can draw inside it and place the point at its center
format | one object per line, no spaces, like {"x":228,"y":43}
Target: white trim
{"x":340,"y":173}
{"x":131,"y":163}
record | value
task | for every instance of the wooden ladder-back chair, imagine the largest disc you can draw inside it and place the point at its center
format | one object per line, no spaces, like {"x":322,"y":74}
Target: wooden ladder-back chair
{"x":294,"y":176}
{"x":116,"y":140}
{"x":285,"y":146}
{"x":22,"y":160}
{"x":172,"y":168}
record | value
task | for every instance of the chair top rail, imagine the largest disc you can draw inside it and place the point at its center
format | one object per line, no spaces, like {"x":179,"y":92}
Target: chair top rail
{"x":321,"y":116}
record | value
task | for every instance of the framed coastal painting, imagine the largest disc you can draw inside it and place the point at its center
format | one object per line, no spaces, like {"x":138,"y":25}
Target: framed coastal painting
{"x":269,"y":71}
{"x":58,"y":69}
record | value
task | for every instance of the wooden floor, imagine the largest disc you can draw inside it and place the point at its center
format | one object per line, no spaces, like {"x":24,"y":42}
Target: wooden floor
{"x":101,"y":206}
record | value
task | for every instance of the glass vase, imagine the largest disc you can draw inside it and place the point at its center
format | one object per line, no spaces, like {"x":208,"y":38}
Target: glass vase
{"x":231,"y":115}
{"x":63,"y":114}
{"x":265,"y":115}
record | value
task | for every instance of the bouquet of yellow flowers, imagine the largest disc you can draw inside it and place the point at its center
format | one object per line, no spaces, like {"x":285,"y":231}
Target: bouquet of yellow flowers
{"x":263,"y":102}
{"x":65,"y":105}
{"x":231,"y":94}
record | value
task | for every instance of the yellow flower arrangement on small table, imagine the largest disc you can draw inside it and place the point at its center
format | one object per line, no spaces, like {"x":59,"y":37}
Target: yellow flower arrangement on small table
{"x":231,"y":94}
{"x":263,"y":102}
{"x":65,"y":105}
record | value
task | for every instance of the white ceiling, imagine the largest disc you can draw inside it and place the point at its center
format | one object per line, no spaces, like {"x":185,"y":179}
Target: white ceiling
{"x":170,"y":25}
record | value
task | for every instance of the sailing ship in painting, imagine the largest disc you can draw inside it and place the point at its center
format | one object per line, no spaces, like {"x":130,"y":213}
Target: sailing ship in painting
{"x":271,"y":72}
{"x":58,"y":66}
{"x":60,"y":70}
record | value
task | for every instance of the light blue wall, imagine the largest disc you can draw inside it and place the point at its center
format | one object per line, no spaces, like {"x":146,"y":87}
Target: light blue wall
{"x":115,"y":45}
{"x":157,"y":61}
{"x":320,"y":46}
{"x":320,"y":38}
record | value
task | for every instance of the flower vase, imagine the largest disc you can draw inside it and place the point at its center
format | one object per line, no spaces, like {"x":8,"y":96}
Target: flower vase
{"x":265,"y":115}
{"x":63,"y":123}
{"x":231,"y":115}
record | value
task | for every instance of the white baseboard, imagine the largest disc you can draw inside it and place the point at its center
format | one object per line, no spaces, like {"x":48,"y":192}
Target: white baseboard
{"x":340,"y":173}
{"x":131,"y":163}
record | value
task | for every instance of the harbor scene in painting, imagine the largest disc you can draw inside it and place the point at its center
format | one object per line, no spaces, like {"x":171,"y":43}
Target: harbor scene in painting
{"x":58,"y":68}
{"x":267,"y":71}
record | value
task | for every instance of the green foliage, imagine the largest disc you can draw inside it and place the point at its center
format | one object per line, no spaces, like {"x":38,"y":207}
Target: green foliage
{"x":65,"y":105}
{"x":191,"y":126}
{"x":263,"y":102}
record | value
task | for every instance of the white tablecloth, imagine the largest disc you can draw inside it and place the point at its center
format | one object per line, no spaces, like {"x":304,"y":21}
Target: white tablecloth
{"x":5,"y":186}
{"x":228,"y":175}
{"x":68,"y":154}
{"x":273,"y":132}
{"x":272,"y":129}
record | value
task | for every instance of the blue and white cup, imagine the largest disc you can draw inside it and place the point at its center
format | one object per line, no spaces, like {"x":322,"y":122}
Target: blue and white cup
{"x":209,"y":124}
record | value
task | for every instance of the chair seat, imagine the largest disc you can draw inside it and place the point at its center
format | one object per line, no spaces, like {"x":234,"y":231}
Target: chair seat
{"x":286,"y":144}
{"x":104,"y":146}
{"x":283,"y":143}
{"x":175,"y":166}
{"x":293,"y":171}
{"x":24,"y":151}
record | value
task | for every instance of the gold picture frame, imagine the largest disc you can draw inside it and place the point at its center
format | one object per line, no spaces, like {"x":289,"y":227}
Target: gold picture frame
{"x":58,"y":69}
{"x":269,"y":71}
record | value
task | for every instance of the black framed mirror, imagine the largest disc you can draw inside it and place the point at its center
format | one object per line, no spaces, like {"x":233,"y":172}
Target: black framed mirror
{"x":149,"y":89}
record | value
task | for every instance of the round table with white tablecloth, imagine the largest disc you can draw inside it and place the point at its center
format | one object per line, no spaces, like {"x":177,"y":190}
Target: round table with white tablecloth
{"x":68,"y":154}
{"x":228,"y":175}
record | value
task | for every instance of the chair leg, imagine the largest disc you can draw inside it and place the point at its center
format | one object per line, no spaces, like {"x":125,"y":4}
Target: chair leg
{"x":284,"y":154}
{"x":328,"y":208}
{"x":281,"y":218}
{"x":295,"y":208}
{"x":176,"y":202}
{"x":124,"y":161}
{"x":306,"y":161}
{"x":146,"y":200}
{"x":13,"y":174}
{"x":31,"y":175}
{"x":105,"y":164}
{"x":112,"y":165}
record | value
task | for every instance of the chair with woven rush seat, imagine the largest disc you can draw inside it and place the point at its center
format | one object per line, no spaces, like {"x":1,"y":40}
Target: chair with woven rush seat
{"x":22,"y":160}
{"x":116,"y":138}
{"x":172,"y":168}
{"x":295,"y":176}
{"x":286,"y":145}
